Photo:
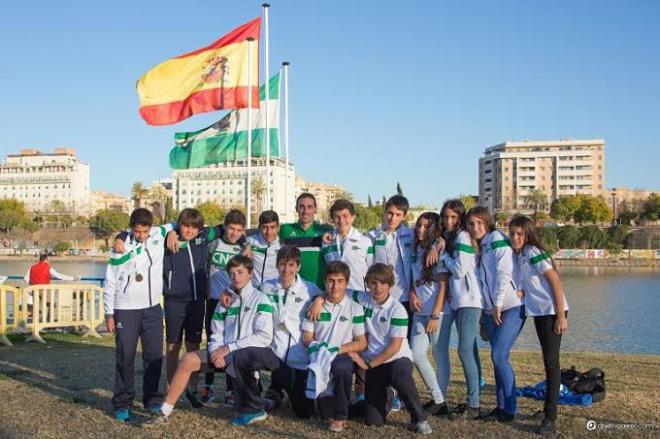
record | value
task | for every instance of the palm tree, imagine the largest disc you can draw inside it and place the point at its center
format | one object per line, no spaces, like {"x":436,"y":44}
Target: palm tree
{"x":158,"y":195}
{"x":536,"y":199}
{"x":138,"y":192}
{"x":258,"y":191}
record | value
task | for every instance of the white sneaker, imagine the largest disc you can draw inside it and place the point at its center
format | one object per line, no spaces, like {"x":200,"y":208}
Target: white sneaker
{"x":424,"y":428}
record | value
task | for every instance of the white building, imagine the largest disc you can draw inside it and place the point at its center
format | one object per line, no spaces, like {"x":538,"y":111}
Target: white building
{"x":37,"y":179}
{"x":508,"y":172}
{"x":325,"y":195}
{"x":226,"y":184}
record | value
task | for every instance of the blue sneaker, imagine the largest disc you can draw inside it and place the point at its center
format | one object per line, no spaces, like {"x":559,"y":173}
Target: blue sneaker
{"x":249,"y":418}
{"x":123,"y":415}
{"x":154,"y":409}
{"x":396,"y":404}
{"x":360,"y":397}
{"x":482,"y":381}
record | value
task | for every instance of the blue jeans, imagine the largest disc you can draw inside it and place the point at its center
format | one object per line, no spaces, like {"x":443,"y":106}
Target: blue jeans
{"x":467,"y":326}
{"x":502,"y":339}
{"x":438,"y":380}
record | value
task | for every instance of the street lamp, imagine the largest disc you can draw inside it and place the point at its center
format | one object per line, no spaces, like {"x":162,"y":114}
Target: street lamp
{"x":614,"y":207}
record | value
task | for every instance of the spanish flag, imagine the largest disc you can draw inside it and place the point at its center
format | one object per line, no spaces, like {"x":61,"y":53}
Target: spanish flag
{"x":208,"y":79}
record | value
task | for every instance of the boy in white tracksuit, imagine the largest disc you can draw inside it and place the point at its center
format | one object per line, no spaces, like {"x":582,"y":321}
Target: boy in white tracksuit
{"x":131,"y":298}
{"x":290,"y":296}
{"x":264,"y":246}
{"x":241,"y":334}
{"x":348,"y":245}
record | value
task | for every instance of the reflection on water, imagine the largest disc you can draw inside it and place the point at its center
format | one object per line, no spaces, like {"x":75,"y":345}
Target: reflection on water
{"x":612,"y":309}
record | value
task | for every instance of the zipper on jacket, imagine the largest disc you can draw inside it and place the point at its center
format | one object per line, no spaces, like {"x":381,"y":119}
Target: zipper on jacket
{"x":481,"y":263}
{"x":149,"y":274}
{"x":263,"y":267}
{"x":169,"y":281}
{"x":128,"y":281}
{"x":240,"y":311}
{"x":194,"y":275}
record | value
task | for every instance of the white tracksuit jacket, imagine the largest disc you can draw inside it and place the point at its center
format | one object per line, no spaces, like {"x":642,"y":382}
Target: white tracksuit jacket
{"x":356,"y":250}
{"x":496,"y":268}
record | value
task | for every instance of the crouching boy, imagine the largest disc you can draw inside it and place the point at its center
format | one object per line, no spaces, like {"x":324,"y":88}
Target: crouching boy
{"x":239,"y":344}
{"x":337,"y":332}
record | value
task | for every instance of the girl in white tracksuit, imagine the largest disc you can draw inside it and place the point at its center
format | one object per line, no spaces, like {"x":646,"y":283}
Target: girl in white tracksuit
{"x":465,"y":298}
{"x":504,"y":313}
{"x":432,"y":316}
{"x":545,"y":301}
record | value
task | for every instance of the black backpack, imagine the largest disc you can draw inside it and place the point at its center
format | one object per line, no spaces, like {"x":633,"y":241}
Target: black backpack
{"x":591,"y":381}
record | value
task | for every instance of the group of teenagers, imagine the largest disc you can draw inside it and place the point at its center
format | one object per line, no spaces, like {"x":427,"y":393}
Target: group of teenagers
{"x":330,"y":310}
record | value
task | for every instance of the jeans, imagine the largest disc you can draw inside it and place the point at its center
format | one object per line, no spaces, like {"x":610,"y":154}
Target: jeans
{"x":436,"y":381}
{"x":502,"y":339}
{"x":467,"y":326}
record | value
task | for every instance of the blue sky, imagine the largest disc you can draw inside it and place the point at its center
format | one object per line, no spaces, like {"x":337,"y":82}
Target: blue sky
{"x":380,"y":91}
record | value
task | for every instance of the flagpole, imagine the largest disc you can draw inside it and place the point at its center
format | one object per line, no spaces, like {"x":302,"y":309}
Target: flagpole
{"x":285,"y":73}
{"x":266,"y":8}
{"x":248,"y":192}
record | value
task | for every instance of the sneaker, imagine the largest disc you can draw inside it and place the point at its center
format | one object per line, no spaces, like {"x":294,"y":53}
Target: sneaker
{"x":123,"y":415}
{"x":336,"y":426}
{"x":396,"y":404}
{"x":155,"y":421}
{"x":207,"y":394}
{"x":432,"y":407}
{"x":359,"y":398}
{"x":424,"y":428}
{"x":249,"y":418}
{"x":194,"y":399}
{"x":547,"y":427}
{"x":154,"y":409}
{"x":482,"y":381}
{"x":229,"y":400}
{"x":493,"y":415}
{"x":272,"y":400}
{"x":506,"y":417}
{"x":462,"y":411}
{"x":443,"y":410}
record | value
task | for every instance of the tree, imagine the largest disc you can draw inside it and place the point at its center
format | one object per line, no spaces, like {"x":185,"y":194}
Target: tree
{"x":651,"y":209}
{"x":563,"y":208}
{"x":342,"y":195}
{"x":593,"y":237}
{"x":592,"y":210}
{"x":399,"y":191}
{"x":370,"y":204}
{"x":212,"y":212}
{"x":536,"y":200}
{"x":158,"y":194}
{"x":258,"y":191}
{"x":569,"y":237}
{"x":107,"y":222}
{"x":12,"y":214}
{"x":501,"y":217}
{"x":468,"y":201}
{"x":61,"y":247}
{"x":367,"y":218}
{"x":138,"y":192}
{"x":9,"y":219}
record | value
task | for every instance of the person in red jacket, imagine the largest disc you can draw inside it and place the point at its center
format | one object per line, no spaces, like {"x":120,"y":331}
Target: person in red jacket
{"x":41,"y":273}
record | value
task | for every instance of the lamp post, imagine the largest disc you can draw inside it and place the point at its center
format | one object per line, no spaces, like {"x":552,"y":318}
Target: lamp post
{"x":614,"y":207}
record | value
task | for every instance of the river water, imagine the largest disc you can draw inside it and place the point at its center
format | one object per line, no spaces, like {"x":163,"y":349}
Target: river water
{"x":611,"y":309}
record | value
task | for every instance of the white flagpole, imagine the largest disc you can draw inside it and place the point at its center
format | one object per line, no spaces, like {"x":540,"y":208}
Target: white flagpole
{"x":248,"y":191}
{"x":285,"y":74}
{"x":266,"y":8}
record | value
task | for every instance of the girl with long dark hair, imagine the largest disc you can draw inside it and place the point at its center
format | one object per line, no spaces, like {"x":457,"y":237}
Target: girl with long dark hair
{"x":546,"y":302}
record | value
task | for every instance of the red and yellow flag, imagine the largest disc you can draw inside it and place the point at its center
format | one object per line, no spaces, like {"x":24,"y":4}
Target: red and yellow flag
{"x":207,"y":79}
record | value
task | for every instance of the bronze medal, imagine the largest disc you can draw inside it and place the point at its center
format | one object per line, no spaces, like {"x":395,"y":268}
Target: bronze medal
{"x":139,"y":277}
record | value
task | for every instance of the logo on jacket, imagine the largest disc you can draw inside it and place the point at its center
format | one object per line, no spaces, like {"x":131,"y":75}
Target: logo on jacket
{"x":343,"y":318}
{"x":356,"y":247}
{"x":247,"y":308}
{"x":382,"y":319}
{"x":298,"y":299}
{"x":120,"y":326}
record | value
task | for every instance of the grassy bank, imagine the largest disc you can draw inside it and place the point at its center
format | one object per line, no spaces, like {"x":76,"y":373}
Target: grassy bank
{"x":63,"y":389}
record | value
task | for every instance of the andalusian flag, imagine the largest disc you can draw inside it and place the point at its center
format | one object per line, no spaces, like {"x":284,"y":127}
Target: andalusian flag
{"x":208,"y":79}
{"x":226,"y":140}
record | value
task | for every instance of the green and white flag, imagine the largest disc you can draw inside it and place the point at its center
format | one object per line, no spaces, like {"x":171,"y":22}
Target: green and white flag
{"x":226,"y":140}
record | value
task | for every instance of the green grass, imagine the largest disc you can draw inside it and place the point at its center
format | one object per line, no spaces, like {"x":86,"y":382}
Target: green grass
{"x":66,"y":387}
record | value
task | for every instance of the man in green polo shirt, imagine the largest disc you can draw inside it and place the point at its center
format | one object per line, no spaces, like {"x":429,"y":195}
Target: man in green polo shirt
{"x":306,"y":234}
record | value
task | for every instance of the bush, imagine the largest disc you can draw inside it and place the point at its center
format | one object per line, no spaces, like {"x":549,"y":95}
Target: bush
{"x":548,"y":237}
{"x":569,"y":237}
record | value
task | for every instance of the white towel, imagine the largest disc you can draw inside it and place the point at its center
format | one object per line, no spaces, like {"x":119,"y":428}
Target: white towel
{"x":319,"y":381}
